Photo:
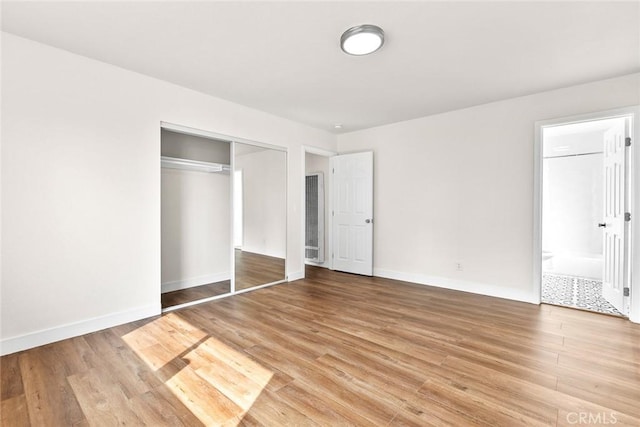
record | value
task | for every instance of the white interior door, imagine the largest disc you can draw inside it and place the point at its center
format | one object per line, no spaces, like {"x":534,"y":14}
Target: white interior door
{"x":613,"y":224}
{"x":353,"y":212}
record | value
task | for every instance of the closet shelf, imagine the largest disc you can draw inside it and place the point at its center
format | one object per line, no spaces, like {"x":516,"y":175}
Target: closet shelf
{"x":193,"y":165}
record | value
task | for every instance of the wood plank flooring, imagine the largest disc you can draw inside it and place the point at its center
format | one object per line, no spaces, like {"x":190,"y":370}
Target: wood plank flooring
{"x":337,"y":349}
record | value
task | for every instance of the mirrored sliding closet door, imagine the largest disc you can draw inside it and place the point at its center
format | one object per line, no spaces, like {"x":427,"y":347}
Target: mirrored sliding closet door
{"x":223,"y":216}
{"x":260,"y":215}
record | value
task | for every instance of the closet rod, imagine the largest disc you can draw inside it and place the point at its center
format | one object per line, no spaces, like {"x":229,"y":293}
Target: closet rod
{"x":194,"y":165}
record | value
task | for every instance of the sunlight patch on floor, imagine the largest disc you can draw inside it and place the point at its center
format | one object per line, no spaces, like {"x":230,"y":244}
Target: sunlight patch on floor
{"x":215,"y":381}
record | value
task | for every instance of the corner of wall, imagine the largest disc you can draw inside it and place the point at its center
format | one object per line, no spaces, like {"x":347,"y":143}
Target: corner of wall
{"x":297,"y":275}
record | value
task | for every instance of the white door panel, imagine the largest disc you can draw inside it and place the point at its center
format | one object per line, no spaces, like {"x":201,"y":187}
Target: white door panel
{"x":353,"y":213}
{"x":613,"y":224}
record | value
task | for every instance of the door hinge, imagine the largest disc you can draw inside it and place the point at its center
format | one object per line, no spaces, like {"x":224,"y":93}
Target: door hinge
{"x":333,"y":213}
{"x":627,"y":142}
{"x":627,"y":216}
{"x":625,"y":292}
{"x":333,"y":170}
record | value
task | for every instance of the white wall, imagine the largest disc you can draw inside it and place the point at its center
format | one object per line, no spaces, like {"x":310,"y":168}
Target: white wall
{"x":458,"y":187}
{"x":572,"y":208}
{"x":572,"y":143}
{"x":264,"y":201}
{"x":81,"y":187}
{"x":316,"y":163}
{"x":196,"y":224}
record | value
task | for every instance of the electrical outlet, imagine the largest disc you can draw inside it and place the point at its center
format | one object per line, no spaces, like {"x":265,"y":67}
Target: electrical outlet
{"x":458,"y":266}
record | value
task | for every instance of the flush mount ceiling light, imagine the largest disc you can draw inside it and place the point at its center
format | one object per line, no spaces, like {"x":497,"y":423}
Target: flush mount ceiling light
{"x":362,"y":39}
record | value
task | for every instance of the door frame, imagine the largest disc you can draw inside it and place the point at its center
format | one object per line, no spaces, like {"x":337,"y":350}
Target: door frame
{"x":633,"y":182}
{"x":328,"y":263}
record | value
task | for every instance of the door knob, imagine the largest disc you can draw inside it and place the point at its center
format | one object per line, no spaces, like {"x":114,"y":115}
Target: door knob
{"x":367,"y":221}
{"x":602,"y":224}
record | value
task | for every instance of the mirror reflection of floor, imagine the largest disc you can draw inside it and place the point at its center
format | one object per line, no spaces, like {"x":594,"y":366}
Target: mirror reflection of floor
{"x":255,"y":269}
{"x":251,"y":270}
{"x":170,"y":299}
{"x":575,"y":292}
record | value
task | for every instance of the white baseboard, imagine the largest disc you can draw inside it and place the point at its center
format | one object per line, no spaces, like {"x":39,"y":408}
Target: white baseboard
{"x":458,"y":285}
{"x":317,"y":264}
{"x":176,"y":285}
{"x":70,"y":330}
{"x":634,"y":314}
{"x":297,"y":275}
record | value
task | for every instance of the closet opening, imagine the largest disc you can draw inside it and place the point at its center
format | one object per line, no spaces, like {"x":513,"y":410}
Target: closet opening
{"x":195,"y":218}
{"x":223,"y":215}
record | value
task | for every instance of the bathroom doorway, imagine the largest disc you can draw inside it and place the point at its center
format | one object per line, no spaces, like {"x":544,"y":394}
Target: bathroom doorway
{"x":584,"y":203}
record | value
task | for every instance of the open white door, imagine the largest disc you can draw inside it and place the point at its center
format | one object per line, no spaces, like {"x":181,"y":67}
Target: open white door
{"x":353,"y":213}
{"x":613,"y":224}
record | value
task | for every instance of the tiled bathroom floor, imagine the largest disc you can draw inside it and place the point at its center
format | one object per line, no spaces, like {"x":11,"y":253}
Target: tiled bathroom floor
{"x":575,"y":292}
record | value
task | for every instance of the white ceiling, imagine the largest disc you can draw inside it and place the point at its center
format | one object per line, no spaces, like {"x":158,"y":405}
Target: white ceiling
{"x":284,"y":57}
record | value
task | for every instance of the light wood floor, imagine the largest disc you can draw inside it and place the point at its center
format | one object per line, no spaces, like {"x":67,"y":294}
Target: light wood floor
{"x":336,"y":349}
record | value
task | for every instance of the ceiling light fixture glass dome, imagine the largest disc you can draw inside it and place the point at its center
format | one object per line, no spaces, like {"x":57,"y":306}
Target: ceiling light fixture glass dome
{"x":362,"y":39}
